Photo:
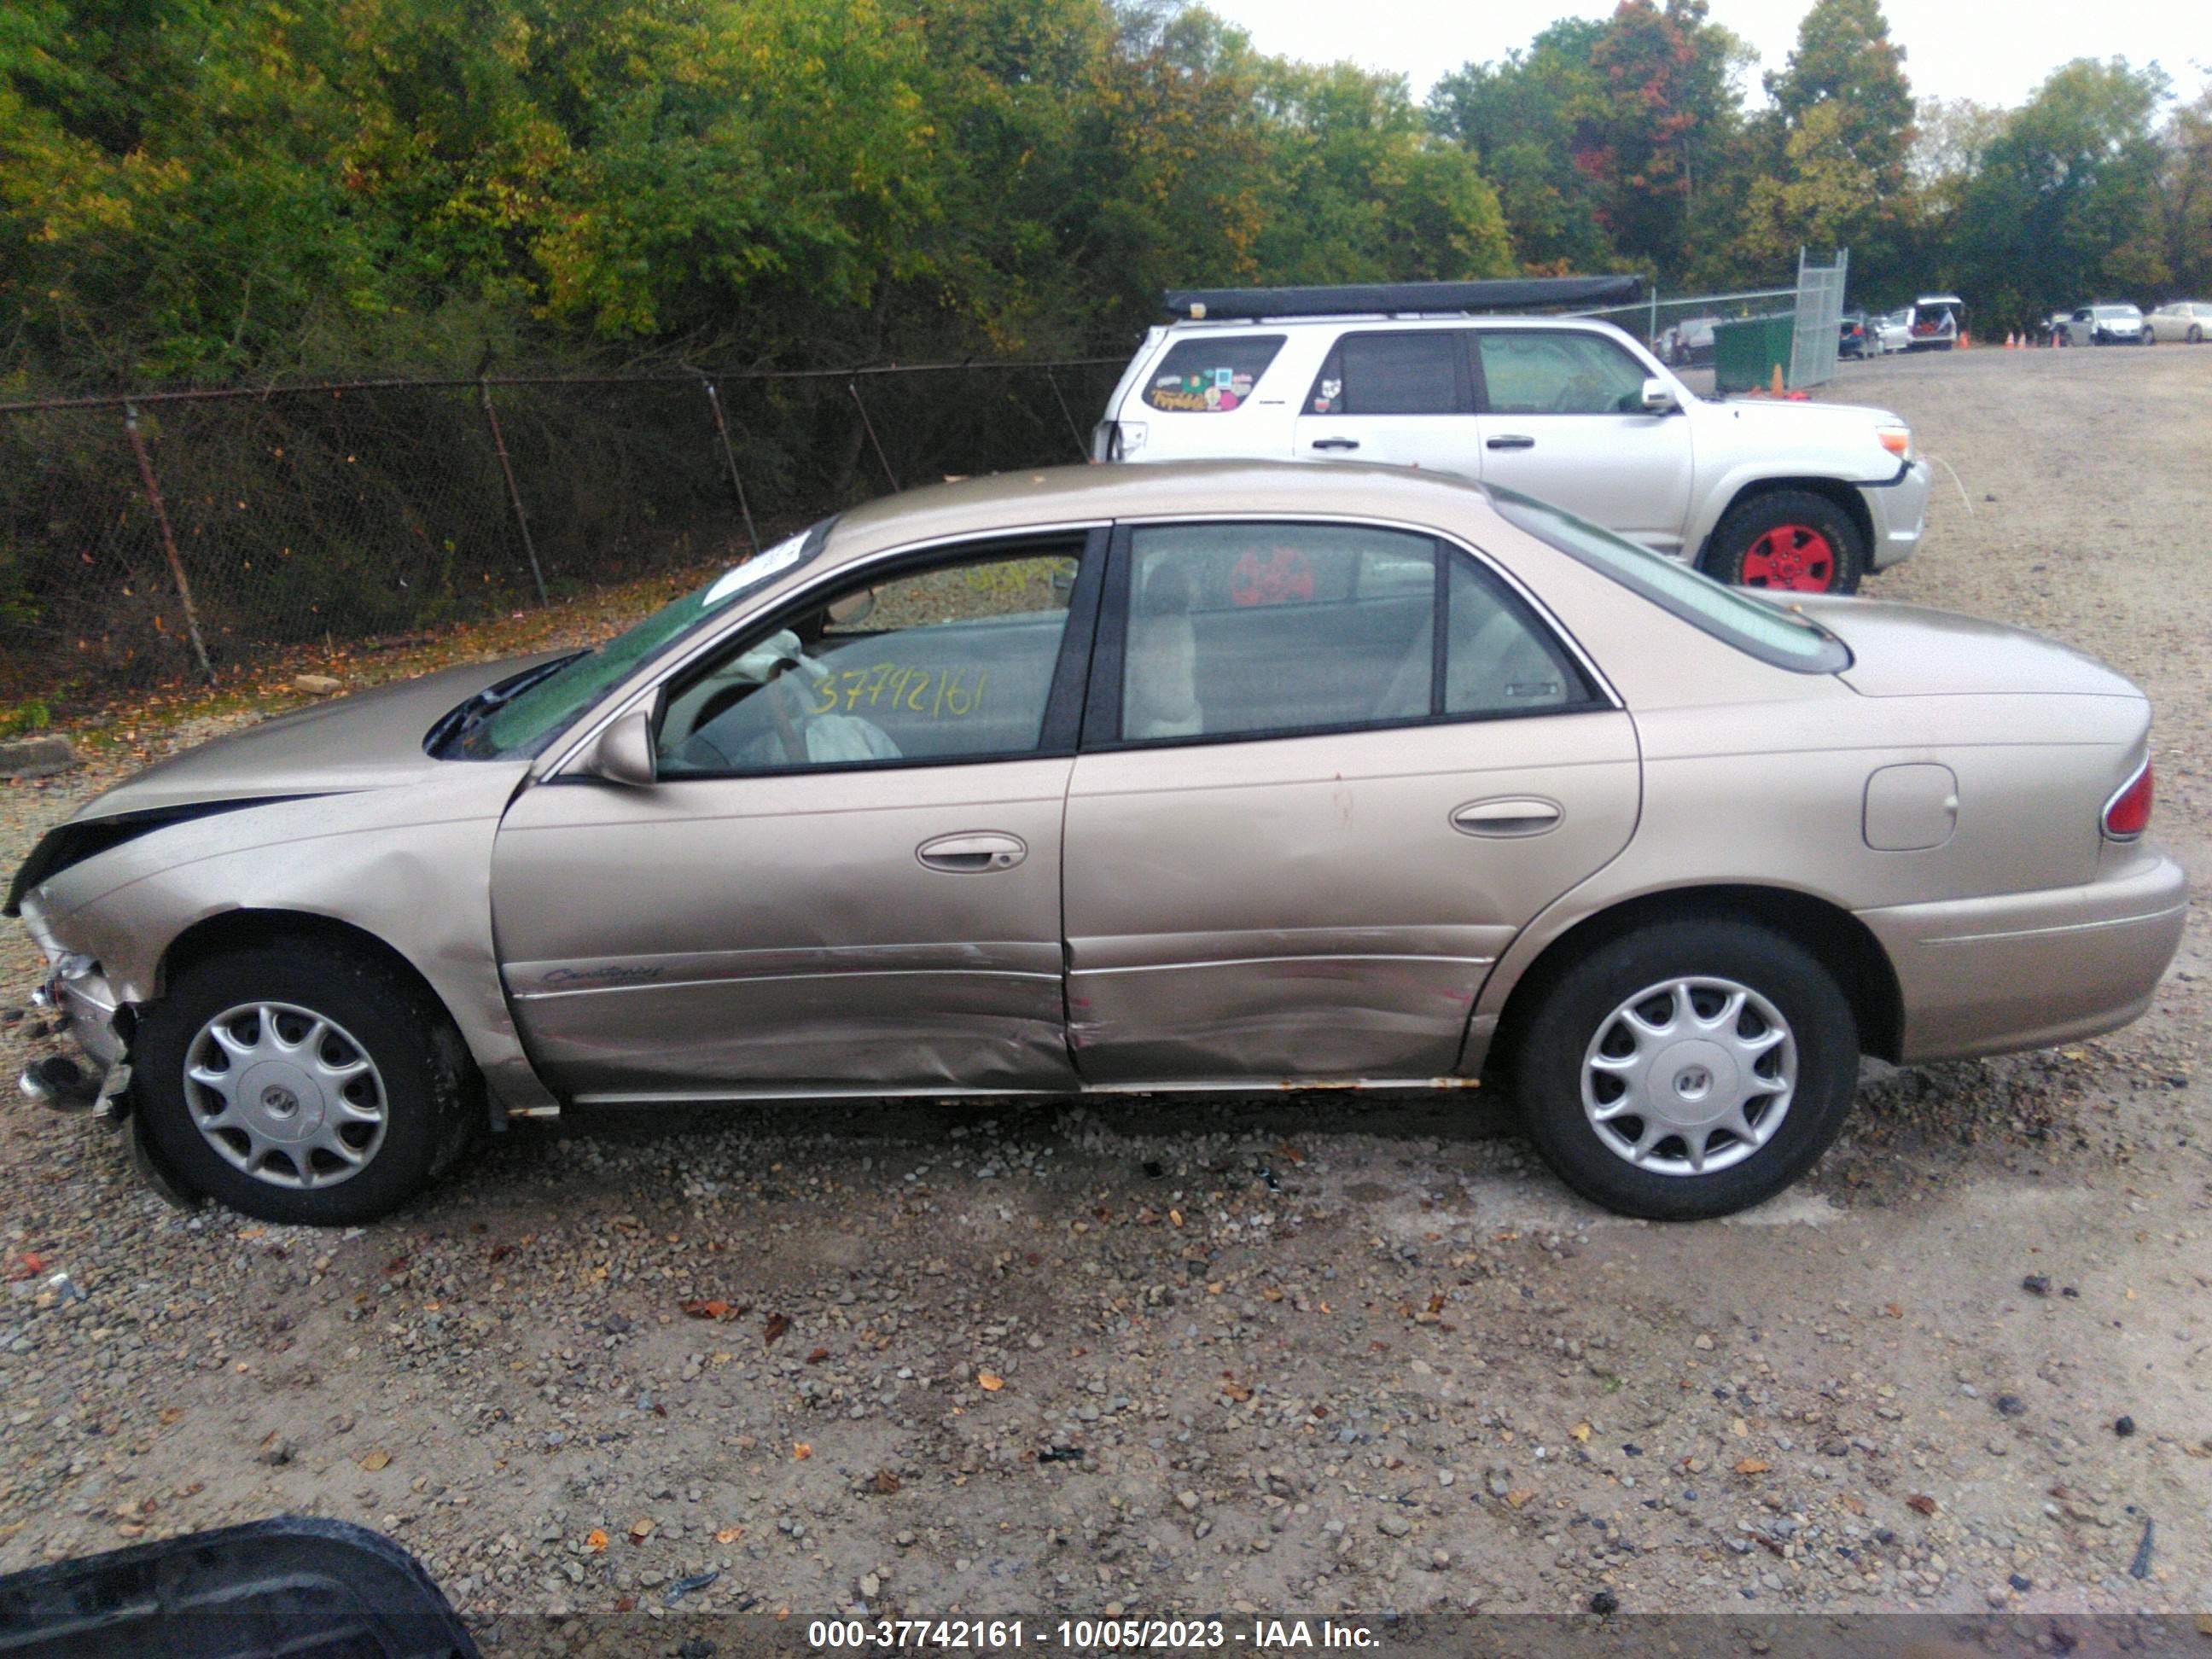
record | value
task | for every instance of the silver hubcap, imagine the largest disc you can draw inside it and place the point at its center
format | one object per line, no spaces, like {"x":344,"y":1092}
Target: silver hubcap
{"x":1690,"y":1076}
{"x":285,"y":1094}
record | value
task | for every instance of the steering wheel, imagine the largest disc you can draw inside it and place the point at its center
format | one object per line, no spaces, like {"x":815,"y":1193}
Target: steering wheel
{"x":727,"y":697}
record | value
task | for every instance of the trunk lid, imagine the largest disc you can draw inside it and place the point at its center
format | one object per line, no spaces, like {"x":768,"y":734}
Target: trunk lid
{"x":1908,"y":651}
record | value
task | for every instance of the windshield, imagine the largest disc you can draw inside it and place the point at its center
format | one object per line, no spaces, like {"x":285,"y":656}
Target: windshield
{"x":526,"y":723}
{"x":2116,"y":311}
{"x":1754,"y":625}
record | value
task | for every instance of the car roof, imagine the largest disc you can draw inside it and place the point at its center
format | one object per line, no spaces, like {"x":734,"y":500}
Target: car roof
{"x":1061,"y":496}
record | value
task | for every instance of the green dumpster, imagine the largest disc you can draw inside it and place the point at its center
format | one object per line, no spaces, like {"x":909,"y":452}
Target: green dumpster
{"x":1746,"y":354}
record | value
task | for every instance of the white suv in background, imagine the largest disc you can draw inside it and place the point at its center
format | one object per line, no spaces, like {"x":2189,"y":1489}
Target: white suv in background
{"x":1785,"y":495}
{"x":2105,"y":324}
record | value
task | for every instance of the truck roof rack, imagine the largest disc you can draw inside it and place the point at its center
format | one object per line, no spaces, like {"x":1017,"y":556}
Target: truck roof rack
{"x":1354,"y":299}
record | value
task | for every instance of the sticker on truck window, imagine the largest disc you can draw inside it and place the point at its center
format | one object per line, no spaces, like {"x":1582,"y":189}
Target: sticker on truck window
{"x":1211,"y":375}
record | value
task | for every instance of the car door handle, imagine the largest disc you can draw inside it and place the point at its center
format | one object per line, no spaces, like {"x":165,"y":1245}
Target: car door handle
{"x":1507,"y":817}
{"x":1336,"y":443}
{"x":973,"y":853}
{"x":1512,"y":441}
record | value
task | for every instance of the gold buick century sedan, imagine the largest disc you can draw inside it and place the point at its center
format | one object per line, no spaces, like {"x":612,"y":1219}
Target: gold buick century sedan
{"x":1198,"y":776}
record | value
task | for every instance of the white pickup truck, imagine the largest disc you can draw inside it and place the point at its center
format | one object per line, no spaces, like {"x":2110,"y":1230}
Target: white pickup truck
{"x":1778,"y":495}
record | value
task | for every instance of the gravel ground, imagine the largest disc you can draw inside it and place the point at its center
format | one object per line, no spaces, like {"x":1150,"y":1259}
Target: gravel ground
{"x":1268,"y":1353}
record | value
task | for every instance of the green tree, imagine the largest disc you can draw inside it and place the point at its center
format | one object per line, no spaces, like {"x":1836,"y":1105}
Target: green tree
{"x":2061,"y":208}
{"x":2184,"y":210}
{"x":1845,"y":61}
{"x":1519,"y":118}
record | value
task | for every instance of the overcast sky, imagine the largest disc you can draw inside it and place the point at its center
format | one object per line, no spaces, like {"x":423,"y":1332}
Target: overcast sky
{"x":1951,"y":49}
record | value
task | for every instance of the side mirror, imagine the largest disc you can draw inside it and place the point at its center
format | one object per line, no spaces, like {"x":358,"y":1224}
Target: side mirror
{"x":623,"y":752}
{"x":1659,"y":397}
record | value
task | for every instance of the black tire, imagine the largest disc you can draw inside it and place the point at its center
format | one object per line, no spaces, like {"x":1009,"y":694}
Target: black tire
{"x":418,"y":1058}
{"x":2149,"y":337}
{"x":1747,"y":520}
{"x":2196,"y":335}
{"x":1546,"y":1067}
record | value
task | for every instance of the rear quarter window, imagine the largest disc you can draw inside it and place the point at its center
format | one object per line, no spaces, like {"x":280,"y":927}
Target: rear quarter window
{"x":1211,"y":375}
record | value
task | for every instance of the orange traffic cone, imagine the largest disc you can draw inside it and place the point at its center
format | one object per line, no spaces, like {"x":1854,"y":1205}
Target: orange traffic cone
{"x":1776,"y":389}
{"x":1963,"y":341}
{"x":2012,"y":341}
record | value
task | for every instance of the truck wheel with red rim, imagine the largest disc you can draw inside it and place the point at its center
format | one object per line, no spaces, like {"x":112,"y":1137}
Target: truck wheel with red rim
{"x":1788,"y":541}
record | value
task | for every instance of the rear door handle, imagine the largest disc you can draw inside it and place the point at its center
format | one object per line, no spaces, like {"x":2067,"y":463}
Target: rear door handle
{"x":1512,"y":441}
{"x":1336,"y":443}
{"x":1508,"y":817}
{"x":973,"y":853}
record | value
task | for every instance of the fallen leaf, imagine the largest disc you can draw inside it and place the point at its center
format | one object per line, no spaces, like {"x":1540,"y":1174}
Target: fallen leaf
{"x":817,"y":1356}
{"x":626,"y":1604}
{"x":595,"y":1540}
{"x":729,"y":1534}
{"x":374,"y":1461}
{"x":1752,"y":1466}
{"x":1921,"y":1501}
{"x":1520,"y":1496}
{"x":886,"y":1481}
{"x":1851,"y":1503}
{"x":696,"y":1309}
{"x":800,"y":1451}
{"x":990,"y":1381}
{"x":1271,"y":1294}
{"x":251,"y":1232}
{"x":772,"y":1332}
{"x":172,"y":1414}
{"x":1236,"y":1390}
{"x":1891,"y":1310}
{"x":1581,"y":1432}
{"x":641,"y":1530}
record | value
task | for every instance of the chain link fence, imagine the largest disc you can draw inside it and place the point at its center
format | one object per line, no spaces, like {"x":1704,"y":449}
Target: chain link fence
{"x":1677,"y":329}
{"x":175,"y":535}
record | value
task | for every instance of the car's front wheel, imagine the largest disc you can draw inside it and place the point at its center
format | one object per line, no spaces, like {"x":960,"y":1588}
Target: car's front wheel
{"x":1788,"y":539}
{"x":301,"y":1083}
{"x":1687,"y":1070}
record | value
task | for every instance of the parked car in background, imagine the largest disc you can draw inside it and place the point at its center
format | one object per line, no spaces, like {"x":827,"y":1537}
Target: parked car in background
{"x":2185,"y":321}
{"x":1805,"y":496}
{"x":1689,"y":344}
{"x":1934,"y":321}
{"x":1854,"y":336}
{"x":2111,"y":323}
{"x":1893,"y":332}
{"x":1109,"y":779}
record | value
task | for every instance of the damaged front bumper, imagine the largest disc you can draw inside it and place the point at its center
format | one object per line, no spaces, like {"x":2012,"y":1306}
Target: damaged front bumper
{"x":77,"y":989}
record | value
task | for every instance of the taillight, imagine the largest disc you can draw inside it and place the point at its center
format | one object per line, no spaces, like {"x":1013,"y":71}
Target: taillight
{"x":2127,"y":814}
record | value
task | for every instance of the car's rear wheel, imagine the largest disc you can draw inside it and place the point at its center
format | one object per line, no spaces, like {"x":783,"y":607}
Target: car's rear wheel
{"x":301,"y":1083}
{"x":2196,"y":335}
{"x":1789,"y":540}
{"x":2149,"y":336}
{"x":1688,"y":1069}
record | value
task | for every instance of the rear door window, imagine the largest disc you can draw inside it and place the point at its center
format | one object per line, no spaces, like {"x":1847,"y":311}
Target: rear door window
{"x":1236,"y":629}
{"x":1374,"y":373}
{"x":1212,"y":374}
